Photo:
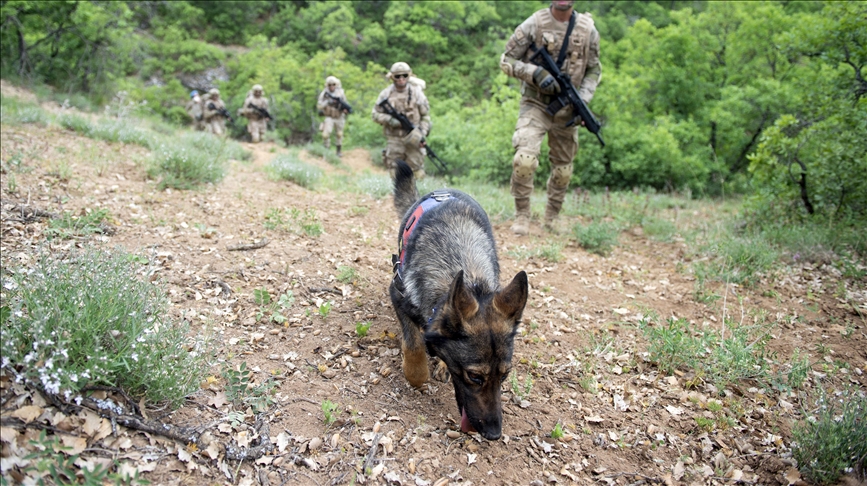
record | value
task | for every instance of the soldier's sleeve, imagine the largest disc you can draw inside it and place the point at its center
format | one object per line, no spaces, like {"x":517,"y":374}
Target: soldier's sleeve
{"x":321,"y":102}
{"x":377,"y":114}
{"x":424,"y":123}
{"x":516,"y":48}
{"x":593,"y":73}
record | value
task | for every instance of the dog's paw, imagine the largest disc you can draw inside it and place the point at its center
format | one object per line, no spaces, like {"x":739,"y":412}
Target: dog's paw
{"x":441,"y":373}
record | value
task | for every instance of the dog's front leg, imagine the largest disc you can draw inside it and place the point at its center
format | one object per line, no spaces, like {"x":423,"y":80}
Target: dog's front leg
{"x":414,"y":352}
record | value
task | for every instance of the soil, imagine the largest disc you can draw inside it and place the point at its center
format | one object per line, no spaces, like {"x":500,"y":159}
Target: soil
{"x":624,"y":421}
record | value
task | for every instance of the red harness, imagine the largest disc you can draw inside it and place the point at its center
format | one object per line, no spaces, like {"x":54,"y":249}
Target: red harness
{"x":427,"y":204}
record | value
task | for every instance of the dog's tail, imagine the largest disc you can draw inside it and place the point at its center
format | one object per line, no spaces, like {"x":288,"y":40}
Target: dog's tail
{"x":405,"y":191}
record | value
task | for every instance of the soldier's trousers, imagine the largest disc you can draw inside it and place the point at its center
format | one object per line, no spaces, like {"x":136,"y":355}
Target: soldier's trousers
{"x":257,"y":129}
{"x":332,"y":125}
{"x":216,"y":125}
{"x":396,"y":149}
{"x":533,"y":124}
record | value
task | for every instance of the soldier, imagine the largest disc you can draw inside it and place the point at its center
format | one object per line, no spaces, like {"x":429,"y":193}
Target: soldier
{"x":255,"y":109}
{"x":580,"y":60}
{"x":409,"y":99}
{"x":194,"y":109}
{"x":215,"y":113}
{"x":335,"y":117}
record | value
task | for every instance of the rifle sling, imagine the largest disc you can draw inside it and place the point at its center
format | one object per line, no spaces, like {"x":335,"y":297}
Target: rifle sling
{"x":562,"y":56}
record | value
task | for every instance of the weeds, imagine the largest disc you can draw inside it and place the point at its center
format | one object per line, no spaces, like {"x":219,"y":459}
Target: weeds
{"x":361,"y":328}
{"x":241,"y":391}
{"x":596,"y":237}
{"x":293,"y":220}
{"x":325,"y":309}
{"x":330,"y":411}
{"x":521,"y":392}
{"x":737,"y":354}
{"x":68,"y":226}
{"x":289,"y":167}
{"x":88,"y":320}
{"x":551,"y":251}
{"x":188,"y":161}
{"x":347,"y":274}
{"x":319,"y":150}
{"x":833,"y":438}
{"x":275,"y":310}
{"x":557,"y":433}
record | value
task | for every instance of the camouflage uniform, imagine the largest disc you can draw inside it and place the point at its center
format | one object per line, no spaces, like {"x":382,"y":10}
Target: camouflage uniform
{"x":257,"y":123}
{"x":194,"y":109}
{"x":335,"y":118}
{"x":411,"y":101}
{"x":215,"y":122}
{"x":583,"y":66}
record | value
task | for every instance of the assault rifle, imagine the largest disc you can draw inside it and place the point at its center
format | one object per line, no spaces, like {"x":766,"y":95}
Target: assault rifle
{"x":568,"y":94}
{"x":408,"y":126}
{"x":262,"y":111}
{"x":344,"y":106}
{"x":222,"y":111}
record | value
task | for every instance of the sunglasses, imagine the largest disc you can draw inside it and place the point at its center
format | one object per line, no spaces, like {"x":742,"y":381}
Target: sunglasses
{"x":399,"y":76}
{"x":332,"y":85}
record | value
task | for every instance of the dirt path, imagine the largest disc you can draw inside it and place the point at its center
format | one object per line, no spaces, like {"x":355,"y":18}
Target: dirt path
{"x":581,"y":360}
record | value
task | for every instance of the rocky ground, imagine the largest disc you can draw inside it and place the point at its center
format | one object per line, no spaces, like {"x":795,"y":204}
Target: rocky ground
{"x":581,"y":361}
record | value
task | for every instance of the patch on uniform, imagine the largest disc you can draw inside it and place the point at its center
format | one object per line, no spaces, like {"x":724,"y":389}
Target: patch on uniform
{"x":519,"y":34}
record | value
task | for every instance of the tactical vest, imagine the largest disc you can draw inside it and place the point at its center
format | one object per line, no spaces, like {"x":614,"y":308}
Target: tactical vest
{"x":406,"y":103}
{"x":550,"y":33}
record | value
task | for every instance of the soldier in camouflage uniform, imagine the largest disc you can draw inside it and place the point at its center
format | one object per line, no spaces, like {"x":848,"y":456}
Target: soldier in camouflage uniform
{"x":409,"y":99}
{"x":215,"y":120}
{"x":335,"y":118}
{"x":548,"y":27}
{"x":194,"y":109}
{"x":257,"y":122}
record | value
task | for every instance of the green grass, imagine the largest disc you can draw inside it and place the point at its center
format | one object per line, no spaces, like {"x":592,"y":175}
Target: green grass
{"x":598,"y":237}
{"x":68,"y":226}
{"x":290,"y":167}
{"x":738,"y":353}
{"x":362,"y":328}
{"x":189,"y":160}
{"x":346,"y":274}
{"x":834,"y":440}
{"x":551,"y":251}
{"x":293,"y":220}
{"x":331,"y":412}
{"x":14,"y":111}
{"x":89,"y":320}
{"x":316,"y":149}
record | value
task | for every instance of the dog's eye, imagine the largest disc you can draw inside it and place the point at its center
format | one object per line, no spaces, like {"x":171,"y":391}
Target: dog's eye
{"x":503,"y":378}
{"x":475,"y":378}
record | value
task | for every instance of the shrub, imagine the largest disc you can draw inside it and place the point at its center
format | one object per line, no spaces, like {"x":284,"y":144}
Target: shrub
{"x":189,"y":161}
{"x":87,"y":320}
{"x":834,"y":440}
{"x":291,"y":168}
{"x":597,"y":237}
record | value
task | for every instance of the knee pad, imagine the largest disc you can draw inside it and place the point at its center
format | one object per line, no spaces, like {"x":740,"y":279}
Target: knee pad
{"x":524,"y":165}
{"x":561,"y":175}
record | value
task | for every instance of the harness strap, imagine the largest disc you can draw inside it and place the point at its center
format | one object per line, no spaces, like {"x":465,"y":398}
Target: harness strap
{"x":563,"y":48}
{"x":427,"y":204}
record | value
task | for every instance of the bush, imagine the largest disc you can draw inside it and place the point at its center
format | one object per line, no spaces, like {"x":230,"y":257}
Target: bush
{"x":834,"y":439}
{"x":88,"y":320}
{"x":193,"y":159}
{"x":16,"y":112}
{"x":291,"y":168}
{"x":597,"y":237}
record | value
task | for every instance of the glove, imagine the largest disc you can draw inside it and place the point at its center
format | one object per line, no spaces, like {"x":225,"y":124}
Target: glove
{"x":394,"y":122}
{"x":413,"y":138}
{"x":545,"y":82}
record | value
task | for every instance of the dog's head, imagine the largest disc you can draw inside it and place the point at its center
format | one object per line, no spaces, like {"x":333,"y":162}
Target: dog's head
{"x":474,"y":335}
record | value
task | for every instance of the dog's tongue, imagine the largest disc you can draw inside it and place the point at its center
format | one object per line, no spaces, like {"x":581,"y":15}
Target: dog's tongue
{"x":466,"y":426}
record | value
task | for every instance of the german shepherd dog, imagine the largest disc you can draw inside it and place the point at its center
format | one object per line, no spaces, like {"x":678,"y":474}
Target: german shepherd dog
{"x":447,"y":296}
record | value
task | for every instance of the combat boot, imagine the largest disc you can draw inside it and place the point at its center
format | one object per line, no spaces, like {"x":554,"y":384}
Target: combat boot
{"x":339,"y":153}
{"x":552,"y":209}
{"x":521,"y":226}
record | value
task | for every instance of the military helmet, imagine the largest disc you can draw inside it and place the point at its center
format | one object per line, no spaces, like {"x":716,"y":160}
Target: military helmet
{"x":332,"y":80}
{"x":257,"y":87}
{"x":214,"y":91}
{"x":400,"y":68}
{"x":193,"y":93}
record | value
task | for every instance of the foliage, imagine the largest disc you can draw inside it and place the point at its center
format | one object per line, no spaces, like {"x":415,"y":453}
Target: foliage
{"x":597,"y":237}
{"x":291,"y":168}
{"x":361,"y":328}
{"x":68,"y":226}
{"x":833,"y":438}
{"x":330,"y":411}
{"x":722,"y":357}
{"x":242,"y":391}
{"x":89,"y":320}
{"x":51,"y":463}
{"x":193,"y":159}
{"x":14,"y":111}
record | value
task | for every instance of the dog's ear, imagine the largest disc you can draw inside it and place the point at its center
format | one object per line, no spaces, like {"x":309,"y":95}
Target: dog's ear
{"x":461,"y":299}
{"x":511,"y":300}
